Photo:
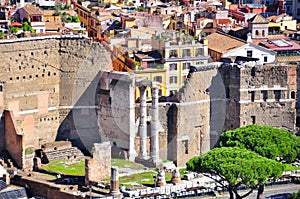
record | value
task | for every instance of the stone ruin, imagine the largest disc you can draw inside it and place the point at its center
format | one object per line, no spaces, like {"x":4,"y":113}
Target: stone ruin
{"x":59,"y":150}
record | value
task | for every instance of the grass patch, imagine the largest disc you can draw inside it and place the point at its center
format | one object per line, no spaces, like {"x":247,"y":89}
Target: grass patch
{"x":289,"y":167}
{"x":29,"y":151}
{"x":61,"y":166}
{"x":145,"y":179}
{"x":182,"y":171}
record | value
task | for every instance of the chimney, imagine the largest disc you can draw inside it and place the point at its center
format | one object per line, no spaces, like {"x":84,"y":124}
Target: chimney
{"x":249,"y":38}
{"x":22,"y":3}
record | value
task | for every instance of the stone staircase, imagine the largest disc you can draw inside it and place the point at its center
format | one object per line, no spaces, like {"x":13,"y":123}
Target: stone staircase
{"x":69,"y":153}
{"x":6,"y":160}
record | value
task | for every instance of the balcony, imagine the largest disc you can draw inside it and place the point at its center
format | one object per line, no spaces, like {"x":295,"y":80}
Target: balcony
{"x":37,"y":24}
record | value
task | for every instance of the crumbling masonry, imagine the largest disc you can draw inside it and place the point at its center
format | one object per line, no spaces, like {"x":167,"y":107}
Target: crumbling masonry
{"x":57,"y":89}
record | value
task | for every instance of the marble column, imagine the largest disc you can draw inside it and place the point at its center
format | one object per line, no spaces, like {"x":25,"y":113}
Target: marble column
{"x":132,"y":127}
{"x":155,"y":125}
{"x":143,"y":122}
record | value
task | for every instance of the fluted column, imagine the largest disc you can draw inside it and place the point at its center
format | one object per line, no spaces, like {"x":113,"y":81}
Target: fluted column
{"x":154,"y":125}
{"x":143,"y":122}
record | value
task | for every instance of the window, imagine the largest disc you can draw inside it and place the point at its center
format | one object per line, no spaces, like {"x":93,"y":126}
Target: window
{"x":173,"y":80}
{"x":227,"y":93}
{"x":158,"y":79}
{"x":186,"y":146}
{"x":173,"y":66}
{"x":277,"y":95}
{"x":253,"y":72}
{"x":264,"y":95}
{"x":249,"y":53}
{"x":253,"y":118}
{"x":159,"y":92}
{"x":297,"y":121}
{"x":252,"y":96}
{"x":293,"y":95}
{"x":173,"y":53}
{"x":199,"y":52}
{"x":1,"y":88}
{"x":186,"y":66}
{"x":298,"y":11}
{"x":256,"y":32}
{"x":263,"y":32}
{"x":186,"y":53}
{"x":265,"y":59}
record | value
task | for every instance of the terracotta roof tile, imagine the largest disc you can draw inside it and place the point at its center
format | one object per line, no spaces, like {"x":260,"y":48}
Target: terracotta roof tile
{"x":222,"y":43}
{"x":54,"y":26}
{"x":15,"y":23}
{"x":30,"y":9}
{"x":287,"y":58}
{"x":258,"y":19}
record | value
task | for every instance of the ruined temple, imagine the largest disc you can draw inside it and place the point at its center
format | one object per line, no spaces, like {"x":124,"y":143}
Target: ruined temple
{"x":215,"y":98}
{"x":62,"y":88}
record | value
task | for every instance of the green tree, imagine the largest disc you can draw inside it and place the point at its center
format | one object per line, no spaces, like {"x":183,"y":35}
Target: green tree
{"x":14,"y":29}
{"x":1,"y":35}
{"x":68,"y":19}
{"x":64,"y":16}
{"x":294,"y":195}
{"x":265,"y":140}
{"x":75,"y":19}
{"x":27,"y":27}
{"x":236,"y":167}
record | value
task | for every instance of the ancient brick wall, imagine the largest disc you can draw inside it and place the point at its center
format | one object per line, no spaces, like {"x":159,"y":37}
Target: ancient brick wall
{"x":116,"y":109}
{"x":196,"y":128}
{"x":30,"y":86}
{"x":49,"y":84}
{"x":298,"y":97}
{"x":45,"y":189}
{"x":231,"y":79}
{"x":266,"y":96}
{"x":98,"y":167}
{"x":13,"y":139}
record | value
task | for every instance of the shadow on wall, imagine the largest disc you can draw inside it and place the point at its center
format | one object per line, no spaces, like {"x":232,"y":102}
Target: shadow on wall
{"x":78,"y":86}
{"x":2,"y":133}
{"x":217,"y":108}
{"x":172,"y":132}
{"x":80,"y":124}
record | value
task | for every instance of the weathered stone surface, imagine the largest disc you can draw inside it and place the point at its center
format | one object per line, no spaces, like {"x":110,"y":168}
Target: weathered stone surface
{"x":49,"y":84}
{"x":99,"y":167}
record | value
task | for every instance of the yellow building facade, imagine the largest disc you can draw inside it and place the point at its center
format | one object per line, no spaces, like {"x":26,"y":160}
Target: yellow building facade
{"x":178,"y":57}
{"x":152,"y":75}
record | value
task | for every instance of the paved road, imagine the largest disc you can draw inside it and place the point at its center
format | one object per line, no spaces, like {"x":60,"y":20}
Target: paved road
{"x":271,"y":192}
